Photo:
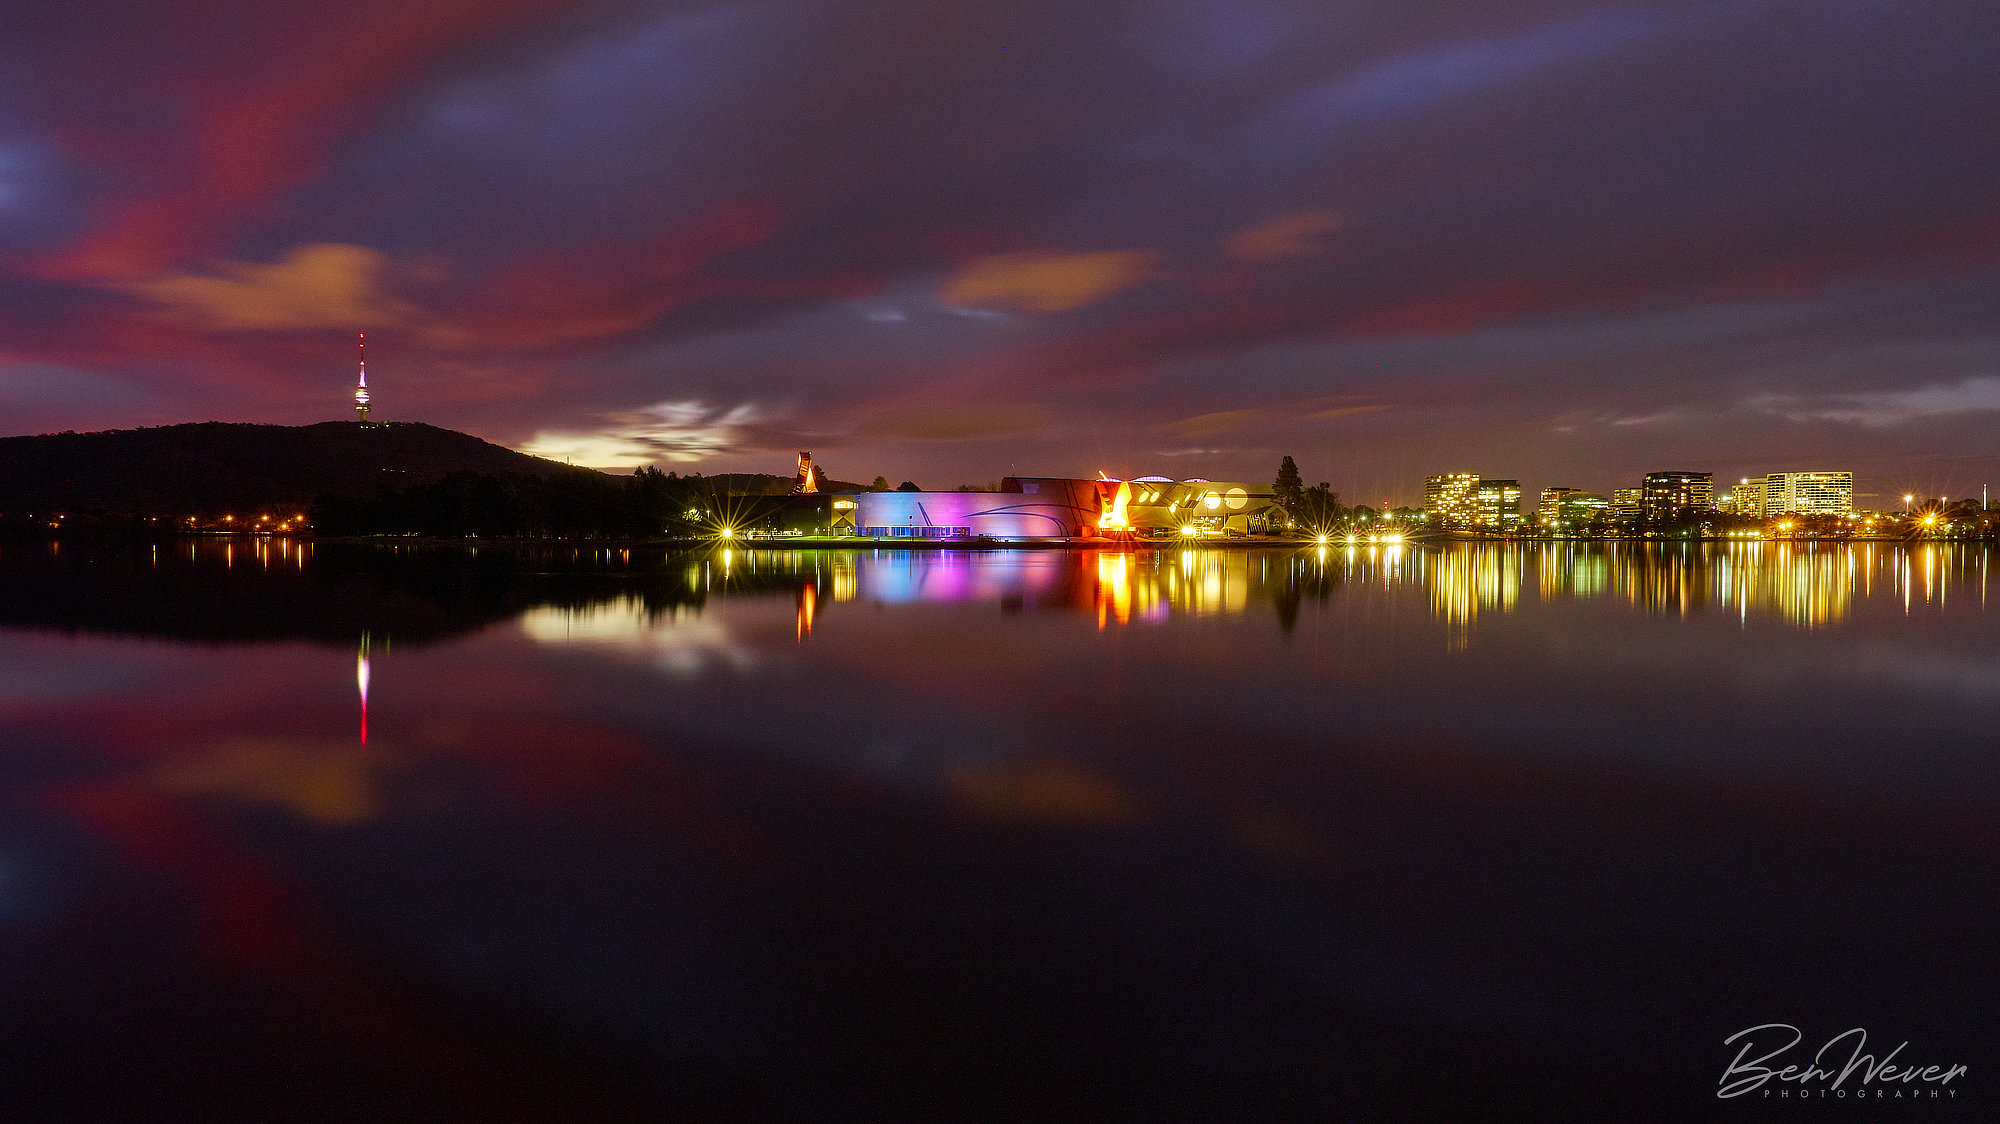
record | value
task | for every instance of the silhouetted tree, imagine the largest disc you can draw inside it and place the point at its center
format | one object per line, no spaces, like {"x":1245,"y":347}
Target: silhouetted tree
{"x":906,"y":486}
{"x":1290,"y":487}
{"x":1319,"y":508}
{"x":881,"y":484}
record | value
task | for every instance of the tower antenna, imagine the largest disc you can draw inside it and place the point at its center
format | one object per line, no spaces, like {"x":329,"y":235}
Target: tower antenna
{"x":361,"y":391}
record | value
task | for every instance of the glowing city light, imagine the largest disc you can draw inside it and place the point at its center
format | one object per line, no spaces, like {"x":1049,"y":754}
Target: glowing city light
{"x":1114,"y":517}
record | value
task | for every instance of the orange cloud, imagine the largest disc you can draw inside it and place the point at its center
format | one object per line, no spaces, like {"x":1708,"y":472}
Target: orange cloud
{"x":1208,"y":425}
{"x":322,"y":285}
{"x":1046,"y":282}
{"x":1287,"y":236}
{"x":1347,"y":411}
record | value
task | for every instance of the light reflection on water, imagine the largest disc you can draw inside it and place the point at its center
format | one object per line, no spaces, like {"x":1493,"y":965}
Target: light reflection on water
{"x":1804,"y":584}
{"x":867,"y":820}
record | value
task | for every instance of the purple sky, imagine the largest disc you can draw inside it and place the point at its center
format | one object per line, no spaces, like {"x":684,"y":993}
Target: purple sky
{"x":1562,"y":242}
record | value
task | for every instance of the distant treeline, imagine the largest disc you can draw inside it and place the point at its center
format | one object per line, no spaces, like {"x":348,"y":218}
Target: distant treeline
{"x":646,"y":504}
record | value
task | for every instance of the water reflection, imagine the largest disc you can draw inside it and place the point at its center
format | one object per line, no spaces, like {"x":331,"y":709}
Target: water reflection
{"x":1806,"y":584}
{"x":643,"y":823}
{"x":1809,"y":585}
{"x":676,"y":639}
{"x":361,"y":680}
{"x":204,"y":591}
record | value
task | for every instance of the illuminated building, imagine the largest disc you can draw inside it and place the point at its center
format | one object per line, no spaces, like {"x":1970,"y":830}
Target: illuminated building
{"x":1569,"y":508}
{"x":1059,"y":508}
{"x":361,"y":391}
{"x":1497,"y":505}
{"x":1809,"y":493}
{"x":1448,"y":499}
{"x":1626,"y":506}
{"x":1747,"y":498}
{"x":1549,"y":512}
{"x":1159,"y":506}
{"x":1666,"y":495}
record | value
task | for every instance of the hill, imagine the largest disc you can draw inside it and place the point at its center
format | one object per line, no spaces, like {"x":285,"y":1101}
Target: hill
{"x":208,"y":467}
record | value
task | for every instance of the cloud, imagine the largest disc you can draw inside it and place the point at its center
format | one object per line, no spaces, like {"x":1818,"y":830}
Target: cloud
{"x":1887,"y":408}
{"x":1286,"y":236}
{"x":322,"y":285}
{"x":43,"y":386}
{"x":1208,"y":425}
{"x":253,"y":102}
{"x":613,"y":287}
{"x":1346,"y":411}
{"x":960,"y":422}
{"x":684,"y":432}
{"x":18,"y":165}
{"x":1425,"y":79}
{"x":1542,"y":213}
{"x":1046,"y":282}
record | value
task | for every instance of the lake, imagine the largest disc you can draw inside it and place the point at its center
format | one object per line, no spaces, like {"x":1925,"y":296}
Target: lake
{"x":298,"y":832}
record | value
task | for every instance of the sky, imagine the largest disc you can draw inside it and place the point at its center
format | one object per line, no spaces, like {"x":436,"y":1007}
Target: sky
{"x":1562,"y":242}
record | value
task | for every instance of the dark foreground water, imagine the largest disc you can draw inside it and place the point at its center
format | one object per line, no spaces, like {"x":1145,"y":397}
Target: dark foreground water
{"x":1484,"y":832}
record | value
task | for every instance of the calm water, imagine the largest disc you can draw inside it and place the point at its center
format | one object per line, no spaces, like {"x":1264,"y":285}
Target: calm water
{"x":353,"y":834}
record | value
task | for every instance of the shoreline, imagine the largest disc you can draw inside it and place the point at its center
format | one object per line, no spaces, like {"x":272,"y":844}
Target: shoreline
{"x":957,"y":544}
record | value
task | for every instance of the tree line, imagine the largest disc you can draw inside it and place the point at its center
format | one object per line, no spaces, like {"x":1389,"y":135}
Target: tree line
{"x":646,"y":504}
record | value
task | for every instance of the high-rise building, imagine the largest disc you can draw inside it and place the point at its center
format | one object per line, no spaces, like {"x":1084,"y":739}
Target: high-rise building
{"x":1448,"y":499}
{"x":1497,"y":505}
{"x":1809,"y":493}
{"x":1625,"y":505}
{"x":1666,"y":495}
{"x":1566,"y":509}
{"x":1746,"y":498}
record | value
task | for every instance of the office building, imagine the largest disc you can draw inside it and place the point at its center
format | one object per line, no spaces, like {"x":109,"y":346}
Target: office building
{"x":1449,"y":500}
{"x":1669,"y":495}
{"x":1497,"y":505}
{"x":1566,"y":509}
{"x":1809,"y":493}
{"x":1625,"y":505}
{"x":1746,"y":498}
